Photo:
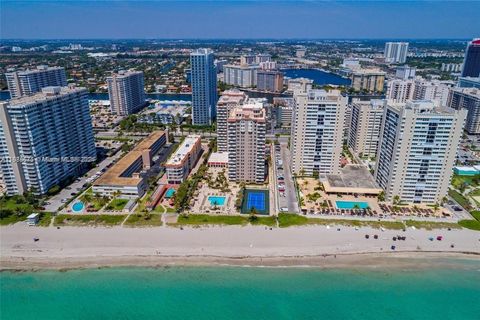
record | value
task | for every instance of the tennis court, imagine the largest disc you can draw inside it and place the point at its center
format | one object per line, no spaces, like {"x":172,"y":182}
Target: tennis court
{"x":257,"y":199}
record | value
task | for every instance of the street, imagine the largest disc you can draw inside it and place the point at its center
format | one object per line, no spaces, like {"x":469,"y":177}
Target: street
{"x":286,"y":199}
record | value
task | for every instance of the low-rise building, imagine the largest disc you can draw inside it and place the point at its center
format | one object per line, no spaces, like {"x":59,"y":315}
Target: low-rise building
{"x":125,"y":176}
{"x":183,"y":160}
{"x":218,"y":160}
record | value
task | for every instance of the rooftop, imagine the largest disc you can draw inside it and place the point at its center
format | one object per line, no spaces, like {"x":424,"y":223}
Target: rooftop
{"x":113,"y":175}
{"x":40,"y":68}
{"x":47,"y":93}
{"x":232,"y":96}
{"x":352,"y":179}
{"x":183,"y":150}
{"x":470,"y":91}
{"x":218,"y":157}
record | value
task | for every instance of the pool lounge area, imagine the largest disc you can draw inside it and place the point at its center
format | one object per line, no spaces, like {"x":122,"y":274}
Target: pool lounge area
{"x":352,"y":205}
{"x":218,"y":201}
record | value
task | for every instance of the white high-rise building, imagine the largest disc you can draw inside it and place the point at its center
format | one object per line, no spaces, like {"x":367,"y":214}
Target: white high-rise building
{"x":126,"y":92}
{"x":419,"y":89}
{"x":246,"y":143}
{"x":229,"y":100}
{"x":405,"y":72}
{"x":432,"y":90}
{"x":23,"y":83}
{"x":417,"y":150}
{"x":400,"y":90}
{"x":45,"y":138}
{"x":396,"y":52}
{"x":204,"y":87}
{"x":317,"y":131}
{"x":365,"y":124}
{"x":244,"y":76}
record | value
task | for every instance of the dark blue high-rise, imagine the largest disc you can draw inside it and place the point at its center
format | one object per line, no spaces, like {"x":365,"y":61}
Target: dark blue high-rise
{"x":471,"y":63}
{"x":204,"y":87}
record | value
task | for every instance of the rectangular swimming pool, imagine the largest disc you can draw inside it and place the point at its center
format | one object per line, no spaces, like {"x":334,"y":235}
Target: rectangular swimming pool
{"x":216,"y":201}
{"x":352,"y":205}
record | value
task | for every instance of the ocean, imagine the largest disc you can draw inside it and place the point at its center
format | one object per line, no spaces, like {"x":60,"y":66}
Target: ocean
{"x":243,"y":293}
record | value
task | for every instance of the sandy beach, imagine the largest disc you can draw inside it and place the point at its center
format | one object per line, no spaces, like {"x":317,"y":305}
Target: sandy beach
{"x":88,"y":247}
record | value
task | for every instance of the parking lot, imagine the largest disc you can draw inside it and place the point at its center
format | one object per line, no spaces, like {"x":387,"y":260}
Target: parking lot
{"x":284,"y":186}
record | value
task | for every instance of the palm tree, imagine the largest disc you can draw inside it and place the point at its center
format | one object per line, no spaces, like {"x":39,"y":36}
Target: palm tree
{"x":381,"y":196}
{"x":396,"y":200}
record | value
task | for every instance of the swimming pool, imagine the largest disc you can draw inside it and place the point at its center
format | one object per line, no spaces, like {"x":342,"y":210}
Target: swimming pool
{"x":216,"y":200}
{"x":78,"y":206}
{"x":170,"y":192}
{"x":351,"y":205}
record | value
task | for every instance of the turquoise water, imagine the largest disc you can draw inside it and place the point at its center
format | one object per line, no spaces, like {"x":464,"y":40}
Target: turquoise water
{"x":170,"y":192}
{"x":351,"y":204}
{"x":241,"y":293}
{"x":78,"y":206}
{"x":216,"y":200}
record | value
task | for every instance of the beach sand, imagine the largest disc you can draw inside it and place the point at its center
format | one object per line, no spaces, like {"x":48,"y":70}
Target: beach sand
{"x":89,"y":247}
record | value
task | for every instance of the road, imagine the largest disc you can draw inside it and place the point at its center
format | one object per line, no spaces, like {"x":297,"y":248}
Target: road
{"x":290,"y":199}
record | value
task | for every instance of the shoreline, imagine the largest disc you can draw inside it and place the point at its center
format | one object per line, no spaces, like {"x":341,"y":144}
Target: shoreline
{"x":356,"y":261}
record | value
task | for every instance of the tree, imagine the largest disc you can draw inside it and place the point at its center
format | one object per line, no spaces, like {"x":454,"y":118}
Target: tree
{"x":381,"y":196}
{"x":396,"y":200}
{"x":253,"y":215}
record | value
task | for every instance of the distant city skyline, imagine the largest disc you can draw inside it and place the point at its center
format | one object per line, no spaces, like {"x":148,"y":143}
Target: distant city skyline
{"x":239,"y":19}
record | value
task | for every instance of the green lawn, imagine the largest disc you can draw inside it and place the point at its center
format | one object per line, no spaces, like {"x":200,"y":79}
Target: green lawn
{"x":14,"y":218}
{"x":459,"y":198}
{"x":475,"y":193}
{"x":117,"y":204}
{"x":476,"y":215}
{"x":264,"y":221}
{"x":204,"y":219}
{"x":430,"y":225}
{"x":170,"y":210}
{"x":88,"y":220}
{"x":289,"y":219}
{"x":457,"y":181}
{"x":142,"y":220}
{"x":470,"y":224}
{"x":45,"y":219}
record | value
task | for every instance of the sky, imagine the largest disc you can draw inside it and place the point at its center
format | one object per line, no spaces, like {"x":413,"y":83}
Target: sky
{"x":158,"y":19}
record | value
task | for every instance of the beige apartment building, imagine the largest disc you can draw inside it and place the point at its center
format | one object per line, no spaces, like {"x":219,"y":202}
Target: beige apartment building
{"x":371,"y":80}
{"x":246,"y":143}
{"x":365,"y":123}
{"x":317,"y":131}
{"x":184,"y":159}
{"x":229,"y":100}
